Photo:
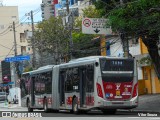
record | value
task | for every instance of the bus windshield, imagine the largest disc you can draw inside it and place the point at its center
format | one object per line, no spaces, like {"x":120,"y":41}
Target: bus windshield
{"x":117,"y":70}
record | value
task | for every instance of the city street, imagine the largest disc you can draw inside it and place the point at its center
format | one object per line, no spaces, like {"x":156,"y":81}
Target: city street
{"x":148,"y":104}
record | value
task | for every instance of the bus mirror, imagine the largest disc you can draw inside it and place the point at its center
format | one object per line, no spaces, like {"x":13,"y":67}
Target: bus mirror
{"x":96,"y":64}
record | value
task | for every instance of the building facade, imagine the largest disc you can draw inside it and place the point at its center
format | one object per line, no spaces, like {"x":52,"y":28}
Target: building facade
{"x":8,"y":15}
{"x":47,"y":8}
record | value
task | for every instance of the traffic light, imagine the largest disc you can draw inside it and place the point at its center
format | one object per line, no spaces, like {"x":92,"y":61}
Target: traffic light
{"x":6,"y":71}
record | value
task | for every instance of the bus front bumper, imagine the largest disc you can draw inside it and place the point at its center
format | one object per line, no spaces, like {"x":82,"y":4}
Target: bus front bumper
{"x":119,"y":104}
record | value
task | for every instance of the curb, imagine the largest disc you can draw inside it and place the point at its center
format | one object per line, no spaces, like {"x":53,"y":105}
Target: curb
{"x":140,"y":111}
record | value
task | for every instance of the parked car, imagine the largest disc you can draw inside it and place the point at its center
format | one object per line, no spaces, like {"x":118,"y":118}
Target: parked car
{"x":3,"y":96}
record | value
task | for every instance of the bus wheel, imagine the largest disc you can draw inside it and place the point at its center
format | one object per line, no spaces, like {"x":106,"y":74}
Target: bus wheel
{"x":29,"y":107}
{"x":75,"y":106}
{"x":45,"y":105}
{"x":109,"y":112}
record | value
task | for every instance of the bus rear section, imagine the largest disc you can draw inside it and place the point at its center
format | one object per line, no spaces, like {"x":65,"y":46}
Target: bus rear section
{"x":117,"y":87}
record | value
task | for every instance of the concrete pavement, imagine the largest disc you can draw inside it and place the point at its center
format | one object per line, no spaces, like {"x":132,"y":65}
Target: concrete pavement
{"x":149,"y":103}
{"x":4,"y":104}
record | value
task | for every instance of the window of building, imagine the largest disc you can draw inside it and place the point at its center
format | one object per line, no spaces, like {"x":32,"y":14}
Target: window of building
{"x":145,"y":74}
{"x":23,"y":49}
{"x":22,"y":37}
{"x":49,"y":2}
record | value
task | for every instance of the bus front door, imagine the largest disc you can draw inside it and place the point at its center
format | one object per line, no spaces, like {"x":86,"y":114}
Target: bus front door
{"x":87,"y":86}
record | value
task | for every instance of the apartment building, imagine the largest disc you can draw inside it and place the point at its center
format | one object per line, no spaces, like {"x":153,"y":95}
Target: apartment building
{"x":47,"y":8}
{"x":8,"y":15}
{"x":75,"y":7}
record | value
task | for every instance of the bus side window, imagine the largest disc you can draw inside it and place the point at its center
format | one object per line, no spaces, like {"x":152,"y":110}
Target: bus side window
{"x":90,"y":78}
{"x":48,"y":83}
{"x":68,"y":80}
{"x":37,"y":84}
{"x":76,"y":79}
{"x":42,"y":77}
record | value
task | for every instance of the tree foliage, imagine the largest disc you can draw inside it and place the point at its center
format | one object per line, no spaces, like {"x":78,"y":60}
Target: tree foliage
{"x":51,"y":37}
{"x":82,"y":41}
{"x":134,"y":17}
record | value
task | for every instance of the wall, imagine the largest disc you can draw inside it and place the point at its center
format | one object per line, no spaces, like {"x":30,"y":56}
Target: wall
{"x":47,"y":9}
{"x":103,"y":47}
{"x":141,"y":86}
{"x":6,"y":34}
{"x":152,"y":84}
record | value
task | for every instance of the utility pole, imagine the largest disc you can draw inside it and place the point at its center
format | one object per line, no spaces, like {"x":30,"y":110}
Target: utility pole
{"x":70,"y":25}
{"x":67,"y":5}
{"x":15,"y":43}
{"x":125,"y":44}
{"x":15,"y":53}
{"x":33,"y":42}
{"x":124,"y":39}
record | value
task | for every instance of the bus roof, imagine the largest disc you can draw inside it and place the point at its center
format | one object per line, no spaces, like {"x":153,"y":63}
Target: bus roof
{"x":94,"y":57}
{"x":85,"y":60}
{"x":40,"y":69}
{"x":79,"y":61}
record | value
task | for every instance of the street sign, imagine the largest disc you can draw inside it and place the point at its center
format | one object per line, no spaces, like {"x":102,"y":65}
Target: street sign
{"x":17,"y":58}
{"x":4,"y":85}
{"x":95,"y":26}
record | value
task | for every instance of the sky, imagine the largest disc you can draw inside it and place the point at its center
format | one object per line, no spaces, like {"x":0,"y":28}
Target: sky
{"x":25,"y":6}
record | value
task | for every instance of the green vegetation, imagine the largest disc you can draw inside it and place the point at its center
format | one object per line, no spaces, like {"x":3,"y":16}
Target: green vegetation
{"x":52,"y":38}
{"x":135,"y":18}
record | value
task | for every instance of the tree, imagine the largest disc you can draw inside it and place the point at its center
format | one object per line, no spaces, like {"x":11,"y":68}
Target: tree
{"x":83,"y":44}
{"x":133,"y":18}
{"x":51,"y":39}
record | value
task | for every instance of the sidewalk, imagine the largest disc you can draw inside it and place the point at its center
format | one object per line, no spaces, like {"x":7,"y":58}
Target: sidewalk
{"x":6,"y":105}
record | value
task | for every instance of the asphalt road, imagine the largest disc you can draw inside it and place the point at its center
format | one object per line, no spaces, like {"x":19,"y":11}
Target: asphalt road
{"x":94,"y":115}
{"x":40,"y":113}
{"x":148,"y":105}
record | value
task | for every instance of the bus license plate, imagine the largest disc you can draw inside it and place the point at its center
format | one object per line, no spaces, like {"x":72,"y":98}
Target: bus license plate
{"x":118,"y":93}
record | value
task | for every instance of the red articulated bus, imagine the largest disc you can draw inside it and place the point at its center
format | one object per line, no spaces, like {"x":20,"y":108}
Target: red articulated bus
{"x":97,"y":82}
